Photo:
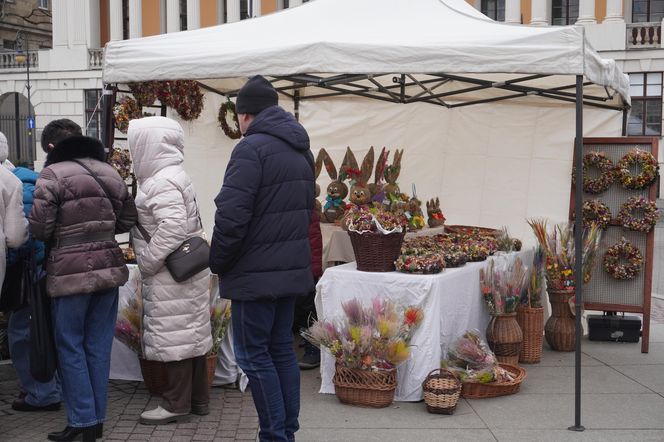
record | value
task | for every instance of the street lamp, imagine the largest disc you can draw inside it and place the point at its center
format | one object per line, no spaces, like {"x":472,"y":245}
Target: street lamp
{"x":24,"y":57}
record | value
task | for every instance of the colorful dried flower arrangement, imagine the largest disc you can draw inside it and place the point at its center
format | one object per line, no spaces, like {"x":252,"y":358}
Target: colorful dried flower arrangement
{"x":220,"y":318}
{"x":121,"y":162}
{"x":595,"y":211}
{"x":374,"y":337}
{"x":471,"y":359}
{"x":533,"y":297}
{"x":624,"y":250}
{"x":364,"y":219}
{"x":125,"y":110}
{"x":503,"y":282}
{"x":226,"y":109}
{"x":184,"y":96}
{"x":128,"y":324}
{"x":604,"y":165}
{"x":635,"y":204}
{"x":558,"y":246}
{"x":645,"y":162}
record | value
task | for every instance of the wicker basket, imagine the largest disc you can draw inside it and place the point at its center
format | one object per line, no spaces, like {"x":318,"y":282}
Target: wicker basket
{"x":531,"y":321}
{"x":211,"y":367}
{"x":504,"y":337}
{"x":365,"y":388}
{"x":442,"y":390}
{"x":476,"y":390}
{"x":560,"y":328}
{"x":375,"y":252}
{"x":154,"y":375}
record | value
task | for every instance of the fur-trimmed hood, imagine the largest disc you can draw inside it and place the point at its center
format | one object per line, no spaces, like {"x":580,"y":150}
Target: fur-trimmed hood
{"x":76,"y":147}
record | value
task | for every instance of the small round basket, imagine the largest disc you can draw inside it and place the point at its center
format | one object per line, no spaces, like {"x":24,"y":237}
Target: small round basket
{"x":476,"y":390}
{"x":365,"y":388}
{"x":375,"y":252}
{"x":442,"y":390}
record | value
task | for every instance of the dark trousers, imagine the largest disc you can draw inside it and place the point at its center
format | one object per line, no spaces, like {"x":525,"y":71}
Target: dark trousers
{"x":186,"y":385}
{"x":305,"y":311}
{"x":263,"y":343}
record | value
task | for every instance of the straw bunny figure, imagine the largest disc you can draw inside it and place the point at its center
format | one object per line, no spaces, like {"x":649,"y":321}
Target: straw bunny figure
{"x":377,"y":188}
{"x":360,"y":194}
{"x":336,"y":191}
{"x":434,"y":213}
{"x":392,"y":174}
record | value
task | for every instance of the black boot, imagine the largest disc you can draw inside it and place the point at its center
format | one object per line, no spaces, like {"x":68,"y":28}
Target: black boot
{"x":71,"y":433}
{"x":311,"y":357}
{"x":100,"y":430}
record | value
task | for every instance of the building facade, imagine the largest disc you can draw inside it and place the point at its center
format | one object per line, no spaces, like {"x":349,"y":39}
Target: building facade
{"x":66,"y":78}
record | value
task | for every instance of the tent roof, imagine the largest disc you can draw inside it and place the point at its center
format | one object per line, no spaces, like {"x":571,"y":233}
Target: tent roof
{"x":328,"y":40}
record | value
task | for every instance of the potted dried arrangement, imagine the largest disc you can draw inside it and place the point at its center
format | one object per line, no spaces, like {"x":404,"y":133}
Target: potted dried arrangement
{"x":376,"y":236}
{"x":220,"y":318}
{"x":502,"y":282}
{"x":368,"y":343}
{"x":530,"y":313}
{"x":481,"y":375}
{"x":559,"y":257}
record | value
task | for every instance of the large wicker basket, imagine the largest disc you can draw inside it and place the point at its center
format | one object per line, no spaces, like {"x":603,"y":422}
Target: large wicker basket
{"x":211,"y":360}
{"x":365,"y":388}
{"x":442,"y":390}
{"x":375,"y":252}
{"x":154,"y":375}
{"x":531,"y":321}
{"x":504,"y":337}
{"x":476,"y":390}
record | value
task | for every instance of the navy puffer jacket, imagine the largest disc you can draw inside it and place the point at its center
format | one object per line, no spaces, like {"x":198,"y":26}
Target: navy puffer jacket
{"x":260,"y":245}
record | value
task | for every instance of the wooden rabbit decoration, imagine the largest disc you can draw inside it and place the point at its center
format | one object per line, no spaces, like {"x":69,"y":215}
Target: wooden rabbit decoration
{"x":336,"y":191}
{"x":359,"y":192}
{"x":392,"y":174}
{"x":434,"y":213}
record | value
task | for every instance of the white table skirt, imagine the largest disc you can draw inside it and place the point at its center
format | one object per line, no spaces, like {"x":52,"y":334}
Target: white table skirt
{"x":451,"y":301}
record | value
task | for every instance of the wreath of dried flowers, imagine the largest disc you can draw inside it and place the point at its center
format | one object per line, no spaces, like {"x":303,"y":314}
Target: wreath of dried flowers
{"x":124,"y":111}
{"x":224,"y":110}
{"x":627,"y":217}
{"x":422,"y":264}
{"x":184,"y":96}
{"x":642,"y":160}
{"x":145,"y":92}
{"x":623,"y":250}
{"x":595,"y":211}
{"x":606,"y":168}
{"x":121,"y":162}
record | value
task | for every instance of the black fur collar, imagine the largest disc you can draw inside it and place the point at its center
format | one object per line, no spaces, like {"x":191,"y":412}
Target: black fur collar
{"x":75,"y":147}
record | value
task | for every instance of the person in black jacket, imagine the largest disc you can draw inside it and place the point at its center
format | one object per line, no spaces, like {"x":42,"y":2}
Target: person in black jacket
{"x":260,"y":250}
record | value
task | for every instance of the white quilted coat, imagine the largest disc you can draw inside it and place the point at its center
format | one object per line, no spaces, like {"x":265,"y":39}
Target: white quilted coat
{"x":13,"y":224}
{"x":176,"y":316}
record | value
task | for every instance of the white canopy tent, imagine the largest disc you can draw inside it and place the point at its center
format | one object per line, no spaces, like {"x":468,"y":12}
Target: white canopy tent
{"x":336,"y":58}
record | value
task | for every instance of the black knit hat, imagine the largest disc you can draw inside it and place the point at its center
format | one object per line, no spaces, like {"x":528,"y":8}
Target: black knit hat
{"x":256,"y":95}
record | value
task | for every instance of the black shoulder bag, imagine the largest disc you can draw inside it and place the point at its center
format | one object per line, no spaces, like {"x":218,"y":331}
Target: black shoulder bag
{"x":190,"y":258}
{"x":43,"y":358}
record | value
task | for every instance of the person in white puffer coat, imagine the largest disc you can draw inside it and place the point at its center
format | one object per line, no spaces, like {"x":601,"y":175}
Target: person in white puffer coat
{"x":176,"y":316}
{"x":13,"y":223}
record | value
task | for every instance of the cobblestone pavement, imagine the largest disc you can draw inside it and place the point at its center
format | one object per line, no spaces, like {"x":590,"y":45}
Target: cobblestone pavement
{"x":232,"y":416}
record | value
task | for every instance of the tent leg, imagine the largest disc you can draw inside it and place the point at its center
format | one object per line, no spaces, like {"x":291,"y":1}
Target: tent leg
{"x":107,"y":132}
{"x":296,"y":104}
{"x":578,"y":251}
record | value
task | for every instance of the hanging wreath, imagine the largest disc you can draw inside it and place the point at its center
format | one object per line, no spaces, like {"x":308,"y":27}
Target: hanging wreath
{"x":229,"y":108}
{"x":638,"y":204}
{"x":623,"y":250}
{"x":606,"y":168}
{"x":145,"y":93}
{"x":645,"y":162}
{"x":183,"y":96}
{"x":595,"y":211}
{"x":121,"y":162}
{"x":124,"y":111}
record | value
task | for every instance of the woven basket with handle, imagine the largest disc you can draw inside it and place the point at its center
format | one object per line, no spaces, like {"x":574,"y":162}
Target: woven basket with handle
{"x":442,"y":390}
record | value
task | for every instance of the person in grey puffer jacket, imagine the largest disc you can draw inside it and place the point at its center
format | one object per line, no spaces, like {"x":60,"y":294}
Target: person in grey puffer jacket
{"x":77,"y":218}
{"x":176,"y":316}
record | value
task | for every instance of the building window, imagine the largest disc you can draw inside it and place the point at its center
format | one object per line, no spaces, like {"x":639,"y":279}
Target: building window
{"x":564,"y":12}
{"x":646,"y":115}
{"x":183,"y":15}
{"x":494,"y":9}
{"x":93,"y":112}
{"x":125,"y":19}
{"x":9,"y":44}
{"x":647,"y":11}
{"x":43,"y":4}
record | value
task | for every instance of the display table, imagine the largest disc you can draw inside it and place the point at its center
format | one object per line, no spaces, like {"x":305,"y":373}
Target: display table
{"x":124,"y":362}
{"x":451,"y":301}
{"x":337,"y":246}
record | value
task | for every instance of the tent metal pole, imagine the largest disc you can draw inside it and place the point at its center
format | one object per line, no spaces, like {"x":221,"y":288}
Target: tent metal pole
{"x":107,"y":132}
{"x":296,"y":104}
{"x":578,"y":251}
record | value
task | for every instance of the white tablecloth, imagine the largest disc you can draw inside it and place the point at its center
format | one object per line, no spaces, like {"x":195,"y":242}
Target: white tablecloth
{"x":451,"y":301}
{"x":124,"y":362}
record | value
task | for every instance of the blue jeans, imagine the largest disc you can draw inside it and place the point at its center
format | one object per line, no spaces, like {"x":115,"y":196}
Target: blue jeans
{"x":84,"y":326}
{"x":38,"y":394}
{"x":263,"y":343}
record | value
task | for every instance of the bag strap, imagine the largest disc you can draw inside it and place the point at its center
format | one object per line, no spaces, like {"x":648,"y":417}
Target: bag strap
{"x":94,"y":175}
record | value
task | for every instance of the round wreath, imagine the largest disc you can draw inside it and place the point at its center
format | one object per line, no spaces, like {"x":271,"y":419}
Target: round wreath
{"x":595,"y":211}
{"x":644,"y":161}
{"x":121,"y":162}
{"x":124,"y":111}
{"x":627,"y":217}
{"x":623,"y":250}
{"x":184,"y":96}
{"x":224,"y":110}
{"x":145,"y":93}
{"x":606,"y":168}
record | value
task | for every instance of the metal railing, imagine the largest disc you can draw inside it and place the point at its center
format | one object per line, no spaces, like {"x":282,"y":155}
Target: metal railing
{"x":8,"y":61}
{"x":644,"y":35}
{"x":95,"y":58}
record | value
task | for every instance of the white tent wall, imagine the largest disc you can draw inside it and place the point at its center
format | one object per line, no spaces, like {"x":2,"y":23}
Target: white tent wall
{"x":492,"y":165}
